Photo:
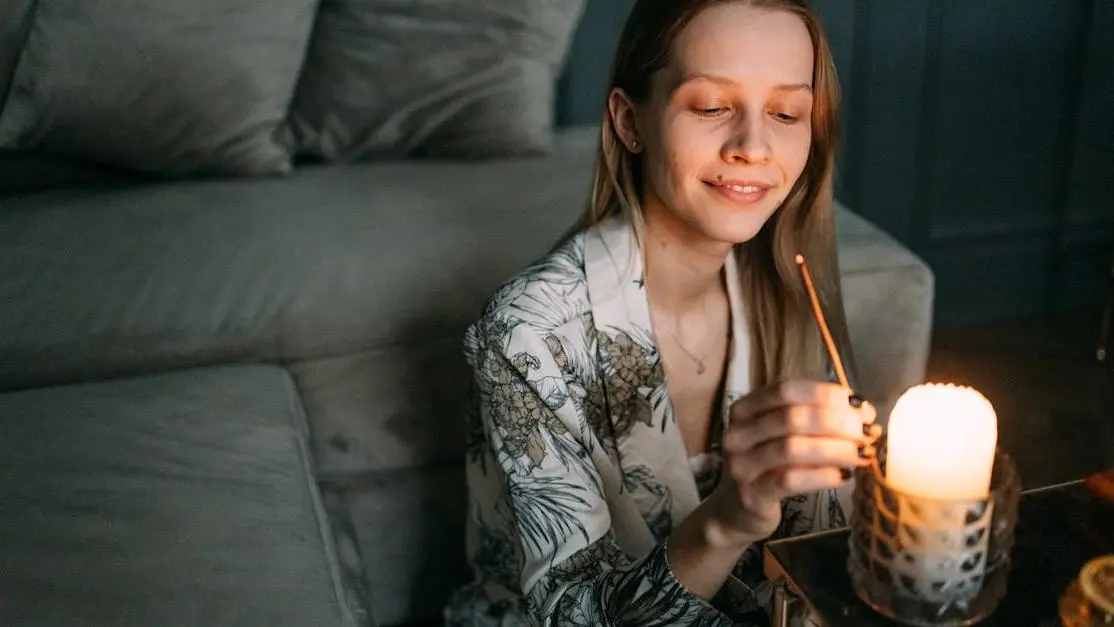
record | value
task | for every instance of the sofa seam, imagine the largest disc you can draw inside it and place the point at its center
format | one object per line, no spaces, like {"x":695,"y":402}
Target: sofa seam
{"x":300,"y":422}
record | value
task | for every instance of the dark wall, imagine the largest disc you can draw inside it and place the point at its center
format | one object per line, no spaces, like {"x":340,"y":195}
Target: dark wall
{"x":979,"y":134}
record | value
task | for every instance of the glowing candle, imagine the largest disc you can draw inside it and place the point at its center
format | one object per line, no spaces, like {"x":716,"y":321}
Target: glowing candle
{"x":941,"y":442}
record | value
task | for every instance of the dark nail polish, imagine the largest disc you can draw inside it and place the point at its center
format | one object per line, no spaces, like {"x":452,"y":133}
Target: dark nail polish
{"x":856,"y":401}
{"x":845,"y":473}
{"x":867,"y":451}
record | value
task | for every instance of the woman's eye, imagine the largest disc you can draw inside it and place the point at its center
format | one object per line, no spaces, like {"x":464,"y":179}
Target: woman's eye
{"x":712,"y":112}
{"x":781,"y":116}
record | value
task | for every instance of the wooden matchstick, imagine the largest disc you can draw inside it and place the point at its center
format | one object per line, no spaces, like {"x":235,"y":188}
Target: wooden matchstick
{"x":818,"y":313}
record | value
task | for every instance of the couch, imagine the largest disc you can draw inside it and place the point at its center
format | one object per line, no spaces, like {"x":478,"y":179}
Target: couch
{"x":235,"y":397}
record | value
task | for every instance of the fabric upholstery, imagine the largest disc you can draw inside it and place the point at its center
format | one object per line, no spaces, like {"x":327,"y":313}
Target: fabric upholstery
{"x":889,"y":298}
{"x":187,"y":87}
{"x":478,"y":78}
{"x":397,"y":406}
{"x":331,"y":261}
{"x":173,"y":500}
{"x":410,"y":529}
{"x":14,"y":20}
{"x":32,"y":172}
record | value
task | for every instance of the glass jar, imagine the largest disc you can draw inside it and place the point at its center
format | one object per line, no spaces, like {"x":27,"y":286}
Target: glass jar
{"x":1089,"y":600}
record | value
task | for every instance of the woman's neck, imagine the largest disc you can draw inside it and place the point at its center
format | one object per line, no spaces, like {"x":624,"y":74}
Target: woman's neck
{"x":683,"y":268}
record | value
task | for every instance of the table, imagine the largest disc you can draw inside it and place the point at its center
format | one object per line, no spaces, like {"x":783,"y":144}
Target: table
{"x":1059,"y":528}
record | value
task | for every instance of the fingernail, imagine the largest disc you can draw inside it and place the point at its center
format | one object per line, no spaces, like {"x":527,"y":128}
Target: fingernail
{"x":867,"y":451}
{"x":856,"y":401}
{"x":872,"y":431}
{"x":845,"y":473}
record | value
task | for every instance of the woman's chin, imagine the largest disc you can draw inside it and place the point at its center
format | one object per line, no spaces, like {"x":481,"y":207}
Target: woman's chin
{"x":735,"y":229}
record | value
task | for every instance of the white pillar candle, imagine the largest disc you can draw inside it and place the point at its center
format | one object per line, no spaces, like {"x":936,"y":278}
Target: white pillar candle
{"x":940,"y":442}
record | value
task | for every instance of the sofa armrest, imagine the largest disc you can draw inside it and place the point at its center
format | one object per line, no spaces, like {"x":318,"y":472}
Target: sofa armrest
{"x":888,"y":295}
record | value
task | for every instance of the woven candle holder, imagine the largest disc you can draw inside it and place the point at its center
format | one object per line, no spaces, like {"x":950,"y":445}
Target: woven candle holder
{"x":931,"y":562}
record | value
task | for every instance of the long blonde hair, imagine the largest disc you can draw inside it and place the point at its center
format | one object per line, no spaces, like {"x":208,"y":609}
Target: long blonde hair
{"x":784,"y":340}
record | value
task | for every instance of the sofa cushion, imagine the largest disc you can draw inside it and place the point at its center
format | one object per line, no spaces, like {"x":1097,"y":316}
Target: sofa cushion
{"x":28,"y":172}
{"x":175,"y":500}
{"x":478,"y":78}
{"x":416,"y":566}
{"x":14,"y":20}
{"x":334,"y":260}
{"x":173,"y":87}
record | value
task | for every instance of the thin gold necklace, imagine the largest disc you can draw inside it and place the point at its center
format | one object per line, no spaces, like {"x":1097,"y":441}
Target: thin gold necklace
{"x":700,"y":369}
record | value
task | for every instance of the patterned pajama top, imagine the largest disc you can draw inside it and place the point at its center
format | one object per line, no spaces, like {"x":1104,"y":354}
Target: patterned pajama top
{"x":577,"y":471}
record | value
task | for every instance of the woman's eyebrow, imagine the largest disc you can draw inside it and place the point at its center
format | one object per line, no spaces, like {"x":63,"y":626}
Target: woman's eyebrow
{"x":794,"y":87}
{"x":723,"y":80}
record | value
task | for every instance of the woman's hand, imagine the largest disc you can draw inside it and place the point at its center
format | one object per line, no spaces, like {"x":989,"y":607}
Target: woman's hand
{"x":798,"y":436}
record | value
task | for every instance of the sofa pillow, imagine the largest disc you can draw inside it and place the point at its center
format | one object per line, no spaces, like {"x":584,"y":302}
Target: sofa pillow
{"x":173,"y":87}
{"x":14,"y":16}
{"x":436,"y":78}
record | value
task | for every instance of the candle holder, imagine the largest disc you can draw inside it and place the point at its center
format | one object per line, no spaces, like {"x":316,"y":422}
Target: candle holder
{"x":931,"y":562}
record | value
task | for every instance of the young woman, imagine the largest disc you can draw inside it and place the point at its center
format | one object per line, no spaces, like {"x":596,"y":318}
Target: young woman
{"x":651,"y":398}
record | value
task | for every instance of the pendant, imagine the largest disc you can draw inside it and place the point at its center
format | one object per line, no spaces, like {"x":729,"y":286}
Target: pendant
{"x":699,"y":367}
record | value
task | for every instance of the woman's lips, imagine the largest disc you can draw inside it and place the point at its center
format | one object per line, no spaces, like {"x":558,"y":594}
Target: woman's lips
{"x":741,"y":192}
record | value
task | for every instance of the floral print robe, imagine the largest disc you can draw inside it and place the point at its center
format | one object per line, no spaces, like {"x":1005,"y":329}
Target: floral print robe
{"x":576,"y":468}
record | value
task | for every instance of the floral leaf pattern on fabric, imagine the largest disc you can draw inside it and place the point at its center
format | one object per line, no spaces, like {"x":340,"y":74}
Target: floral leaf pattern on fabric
{"x":546,"y":510}
{"x":630,"y":374}
{"x":496,"y":555}
{"x":644,"y":592}
{"x":659,"y":513}
{"x":572,"y":459}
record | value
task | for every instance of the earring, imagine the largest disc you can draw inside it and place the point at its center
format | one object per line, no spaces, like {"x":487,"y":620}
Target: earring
{"x":634,"y":144}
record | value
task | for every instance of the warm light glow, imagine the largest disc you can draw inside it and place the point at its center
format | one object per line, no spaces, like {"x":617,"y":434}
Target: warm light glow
{"x":941,"y":441}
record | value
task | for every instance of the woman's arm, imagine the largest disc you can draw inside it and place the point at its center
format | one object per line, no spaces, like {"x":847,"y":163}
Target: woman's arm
{"x":702,"y":552}
{"x":572,"y":571}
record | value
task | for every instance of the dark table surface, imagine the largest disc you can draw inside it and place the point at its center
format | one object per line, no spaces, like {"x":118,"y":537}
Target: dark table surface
{"x":1059,"y":528}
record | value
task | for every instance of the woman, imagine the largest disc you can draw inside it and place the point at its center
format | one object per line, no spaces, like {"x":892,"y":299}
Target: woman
{"x":650,"y":397}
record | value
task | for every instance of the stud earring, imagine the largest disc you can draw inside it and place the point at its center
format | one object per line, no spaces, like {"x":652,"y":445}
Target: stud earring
{"x":634,"y":144}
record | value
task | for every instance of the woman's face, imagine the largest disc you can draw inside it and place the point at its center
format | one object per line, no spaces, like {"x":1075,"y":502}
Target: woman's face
{"x":727,"y":129}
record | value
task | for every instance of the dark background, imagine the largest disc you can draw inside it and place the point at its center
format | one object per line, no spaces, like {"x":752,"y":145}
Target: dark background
{"x":979,"y":134}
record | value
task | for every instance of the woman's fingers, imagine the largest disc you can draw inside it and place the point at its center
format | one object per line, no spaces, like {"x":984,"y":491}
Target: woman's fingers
{"x":840,"y":422}
{"x":798,"y":392}
{"x":866,"y":410}
{"x":794,"y":452}
{"x":798,"y":436}
{"x":768,"y":490}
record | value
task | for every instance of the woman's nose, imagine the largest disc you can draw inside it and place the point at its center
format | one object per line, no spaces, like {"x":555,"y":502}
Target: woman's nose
{"x":748,"y":141}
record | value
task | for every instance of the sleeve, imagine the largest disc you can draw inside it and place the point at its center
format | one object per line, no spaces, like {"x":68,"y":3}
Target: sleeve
{"x":572,"y":571}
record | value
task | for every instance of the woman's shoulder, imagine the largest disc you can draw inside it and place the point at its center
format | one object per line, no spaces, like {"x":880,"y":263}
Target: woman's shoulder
{"x":546,"y":295}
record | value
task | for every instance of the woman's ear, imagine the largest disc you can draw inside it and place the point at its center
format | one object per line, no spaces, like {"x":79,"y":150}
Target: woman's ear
{"x":621,"y":109}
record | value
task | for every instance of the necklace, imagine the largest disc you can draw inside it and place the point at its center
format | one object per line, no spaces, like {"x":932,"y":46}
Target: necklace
{"x":697,"y":359}
{"x":700,"y":369}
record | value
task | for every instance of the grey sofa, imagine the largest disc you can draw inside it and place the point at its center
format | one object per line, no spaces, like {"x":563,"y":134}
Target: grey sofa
{"x":239,"y":400}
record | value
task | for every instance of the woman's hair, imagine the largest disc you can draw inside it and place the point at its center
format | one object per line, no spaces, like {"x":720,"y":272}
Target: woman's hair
{"x":784,"y":340}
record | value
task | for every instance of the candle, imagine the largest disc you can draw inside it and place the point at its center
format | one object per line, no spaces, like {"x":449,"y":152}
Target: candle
{"x":940,"y":443}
